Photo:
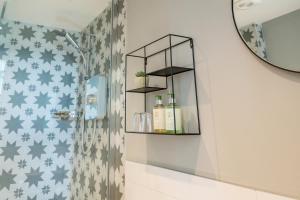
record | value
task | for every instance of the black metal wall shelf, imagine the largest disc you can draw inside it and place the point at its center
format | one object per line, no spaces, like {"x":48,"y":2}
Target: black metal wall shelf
{"x":146,"y":90}
{"x":168,"y":72}
{"x":153,"y":133}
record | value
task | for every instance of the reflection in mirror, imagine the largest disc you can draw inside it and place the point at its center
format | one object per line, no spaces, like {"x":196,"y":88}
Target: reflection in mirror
{"x":271,"y":30}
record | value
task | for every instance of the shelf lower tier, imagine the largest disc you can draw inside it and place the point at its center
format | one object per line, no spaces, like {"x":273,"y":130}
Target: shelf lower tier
{"x":145,"y":90}
{"x":170,"y":134}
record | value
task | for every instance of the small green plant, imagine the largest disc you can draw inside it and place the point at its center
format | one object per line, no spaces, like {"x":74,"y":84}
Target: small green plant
{"x":140,"y":74}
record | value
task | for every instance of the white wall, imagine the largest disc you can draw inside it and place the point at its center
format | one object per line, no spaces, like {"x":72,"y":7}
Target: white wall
{"x":249,"y":110}
{"x":147,"y":182}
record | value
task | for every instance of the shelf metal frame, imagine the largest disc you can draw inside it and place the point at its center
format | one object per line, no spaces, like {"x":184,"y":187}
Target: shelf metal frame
{"x":172,"y":69}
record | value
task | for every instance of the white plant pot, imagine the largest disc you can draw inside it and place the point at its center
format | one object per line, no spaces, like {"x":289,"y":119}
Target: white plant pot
{"x":140,"y":82}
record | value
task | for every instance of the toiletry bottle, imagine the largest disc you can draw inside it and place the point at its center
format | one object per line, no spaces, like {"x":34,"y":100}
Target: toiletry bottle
{"x":159,"y":115}
{"x":170,"y":108}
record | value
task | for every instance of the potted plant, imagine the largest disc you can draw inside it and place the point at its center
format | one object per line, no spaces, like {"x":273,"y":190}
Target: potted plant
{"x":140,"y":78}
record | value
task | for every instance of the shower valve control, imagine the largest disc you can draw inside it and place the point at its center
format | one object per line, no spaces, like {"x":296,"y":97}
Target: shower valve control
{"x":96,"y":98}
{"x":91,"y":99}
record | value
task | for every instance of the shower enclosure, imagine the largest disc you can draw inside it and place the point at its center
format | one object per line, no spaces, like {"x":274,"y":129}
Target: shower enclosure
{"x":49,"y":147}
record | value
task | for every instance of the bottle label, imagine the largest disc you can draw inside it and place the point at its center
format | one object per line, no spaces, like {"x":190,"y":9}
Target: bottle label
{"x":170,"y":119}
{"x":158,"y":119}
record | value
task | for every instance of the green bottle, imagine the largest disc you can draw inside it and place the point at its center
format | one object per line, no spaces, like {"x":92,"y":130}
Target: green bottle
{"x":159,"y":115}
{"x":169,"y":110}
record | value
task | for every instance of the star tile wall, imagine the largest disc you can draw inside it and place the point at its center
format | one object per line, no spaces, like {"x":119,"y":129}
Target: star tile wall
{"x":89,"y":174}
{"x":40,"y":76}
{"x":90,"y":178}
{"x":117,"y":138}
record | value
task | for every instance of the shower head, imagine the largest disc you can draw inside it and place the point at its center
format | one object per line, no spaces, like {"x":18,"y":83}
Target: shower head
{"x":71,"y":40}
{"x":60,"y":33}
{"x":68,"y":37}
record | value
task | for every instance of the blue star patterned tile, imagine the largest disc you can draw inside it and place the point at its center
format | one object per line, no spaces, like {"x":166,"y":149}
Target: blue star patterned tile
{"x":33,"y":198}
{"x":89,"y":167}
{"x":45,"y":77}
{"x":69,"y":59}
{"x":92,"y":185}
{"x":24,"y":53}
{"x":37,"y":149}
{"x":58,"y":197}
{"x":40,"y":124}
{"x":50,"y":36}
{"x":27,"y":32}
{"x":14,"y":124}
{"x":17,"y":99}
{"x":48,"y":56}
{"x":10,"y":151}
{"x":7,"y":179}
{"x":19,"y":193}
{"x":29,"y":136}
{"x":6,"y":29}
{"x":21,"y":75}
{"x":62,"y":148}
{"x":63,"y":125}
{"x":42,"y":100}
{"x":66,"y":101}
{"x":82,"y":179}
{"x":34,"y":177}
{"x":59,"y":175}
{"x":3,"y":51}
{"x":68,"y":79}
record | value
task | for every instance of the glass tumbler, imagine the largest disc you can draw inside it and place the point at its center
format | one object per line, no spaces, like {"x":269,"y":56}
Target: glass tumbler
{"x":142,"y":122}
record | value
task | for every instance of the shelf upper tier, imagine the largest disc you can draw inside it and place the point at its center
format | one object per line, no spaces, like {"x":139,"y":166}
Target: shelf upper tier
{"x":145,"y":89}
{"x":168,"y":71}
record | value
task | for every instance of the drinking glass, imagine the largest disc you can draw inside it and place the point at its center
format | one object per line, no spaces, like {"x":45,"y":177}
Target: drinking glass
{"x":142,"y":122}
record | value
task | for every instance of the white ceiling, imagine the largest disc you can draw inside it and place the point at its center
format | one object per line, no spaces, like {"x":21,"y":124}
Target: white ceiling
{"x":67,"y":14}
{"x":265,"y":11}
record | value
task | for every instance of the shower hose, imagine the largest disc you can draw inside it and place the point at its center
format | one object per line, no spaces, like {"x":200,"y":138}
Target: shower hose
{"x":86,"y":149}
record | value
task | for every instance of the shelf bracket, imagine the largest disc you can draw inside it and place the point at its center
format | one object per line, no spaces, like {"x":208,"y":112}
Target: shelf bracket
{"x":191,"y":43}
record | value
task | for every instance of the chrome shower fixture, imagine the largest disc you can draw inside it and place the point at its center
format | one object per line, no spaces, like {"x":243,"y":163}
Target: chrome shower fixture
{"x":3,"y":10}
{"x":92,"y":99}
{"x":72,"y":41}
{"x":69,"y":38}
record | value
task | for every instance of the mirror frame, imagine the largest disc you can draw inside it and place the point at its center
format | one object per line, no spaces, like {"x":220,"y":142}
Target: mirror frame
{"x":241,"y":37}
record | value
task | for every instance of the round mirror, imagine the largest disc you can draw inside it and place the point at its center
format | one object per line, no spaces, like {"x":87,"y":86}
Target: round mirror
{"x":271,"y":30}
